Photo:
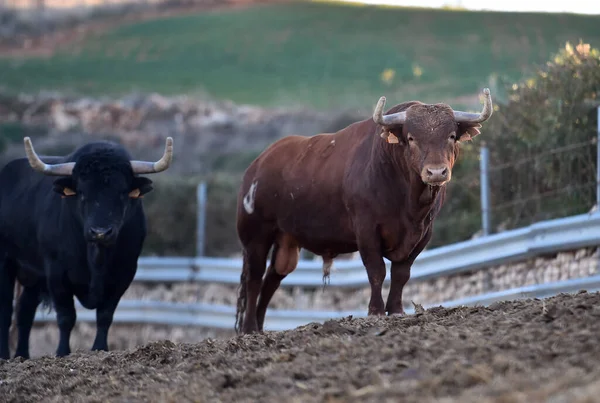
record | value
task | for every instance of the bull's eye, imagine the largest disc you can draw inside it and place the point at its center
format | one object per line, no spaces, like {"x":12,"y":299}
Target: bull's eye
{"x":452,"y":136}
{"x":410,"y":138}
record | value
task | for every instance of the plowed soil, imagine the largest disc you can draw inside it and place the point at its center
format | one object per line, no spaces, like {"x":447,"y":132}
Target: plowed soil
{"x":520,"y":351}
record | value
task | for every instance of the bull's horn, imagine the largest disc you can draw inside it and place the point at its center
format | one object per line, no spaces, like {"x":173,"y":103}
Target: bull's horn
{"x":37,"y":164}
{"x":388,"y":120}
{"x":146,"y":167}
{"x":466,"y":117}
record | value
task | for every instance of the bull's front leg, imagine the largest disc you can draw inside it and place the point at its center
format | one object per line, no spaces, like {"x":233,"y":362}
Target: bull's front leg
{"x":65,"y":318}
{"x":108,"y":305}
{"x":104,"y":318}
{"x":400,"y":273}
{"x":373,"y":260}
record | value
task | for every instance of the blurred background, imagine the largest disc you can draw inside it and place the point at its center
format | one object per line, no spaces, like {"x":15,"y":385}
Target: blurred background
{"x":226,"y":78}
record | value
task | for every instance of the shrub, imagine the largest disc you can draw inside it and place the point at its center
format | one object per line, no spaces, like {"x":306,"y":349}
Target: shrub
{"x":542,"y":151}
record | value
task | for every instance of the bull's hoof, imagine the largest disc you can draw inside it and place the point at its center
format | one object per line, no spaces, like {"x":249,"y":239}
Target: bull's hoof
{"x":62,"y":353}
{"x":24,"y":355}
{"x":250,"y":328}
{"x":396,"y":310}
{"x":376,"y":312}
{"x":4,"y":355}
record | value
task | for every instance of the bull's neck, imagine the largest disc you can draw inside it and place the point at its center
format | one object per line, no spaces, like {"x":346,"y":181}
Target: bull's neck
{"x":421,"y":198}
{"x":426,"y":197}
{"x":97,"y":255}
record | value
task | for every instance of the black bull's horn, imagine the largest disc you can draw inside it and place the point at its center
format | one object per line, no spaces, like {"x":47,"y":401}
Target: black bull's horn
{"x":460,"y":117}
{"x":66,"y":169}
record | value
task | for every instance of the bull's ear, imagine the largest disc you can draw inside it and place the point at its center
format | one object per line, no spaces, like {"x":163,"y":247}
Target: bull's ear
{"x":140,"y":187}
{"x":64,"y":186}
{"x":467,"y":131}
{"x":393,"y":135}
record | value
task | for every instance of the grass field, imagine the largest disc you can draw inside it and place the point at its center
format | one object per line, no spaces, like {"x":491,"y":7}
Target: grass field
{"x":322,"y":55}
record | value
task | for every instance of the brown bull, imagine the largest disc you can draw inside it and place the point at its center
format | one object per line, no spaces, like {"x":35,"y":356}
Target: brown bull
{"x":375,"y":186}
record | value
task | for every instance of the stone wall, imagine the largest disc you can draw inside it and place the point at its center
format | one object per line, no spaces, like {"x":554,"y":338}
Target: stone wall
{"x":542,"y":269}
{"x":201,"y":128}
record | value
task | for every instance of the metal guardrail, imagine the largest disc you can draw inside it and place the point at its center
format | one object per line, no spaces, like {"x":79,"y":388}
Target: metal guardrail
{"x":550,"y":236}
{"x":223,"y":317}
{"x":553,"y":235}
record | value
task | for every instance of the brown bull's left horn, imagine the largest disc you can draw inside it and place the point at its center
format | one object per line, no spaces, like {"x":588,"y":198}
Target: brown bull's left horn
{"x":37,"y":164}
{"x":466,"y":117}
{"x":394,"y":119}
{"x":146,"y":167}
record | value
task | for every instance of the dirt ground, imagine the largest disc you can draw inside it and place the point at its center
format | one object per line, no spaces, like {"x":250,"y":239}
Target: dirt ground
{"x":519,"y":351}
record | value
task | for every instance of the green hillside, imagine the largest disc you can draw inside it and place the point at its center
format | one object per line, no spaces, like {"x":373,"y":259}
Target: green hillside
{"x":316,"y":54}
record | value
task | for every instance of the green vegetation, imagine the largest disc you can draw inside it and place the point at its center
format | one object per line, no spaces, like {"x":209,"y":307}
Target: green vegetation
{"x":13,"y":132}
{"x":316,"y":54}
{"x":542,"y":146}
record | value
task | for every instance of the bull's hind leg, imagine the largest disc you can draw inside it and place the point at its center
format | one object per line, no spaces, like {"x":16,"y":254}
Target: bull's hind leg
{"x":284,"y":260}
{"x":7,"y":286}
{"x":28,"y":303}
{"x":255,"y":260}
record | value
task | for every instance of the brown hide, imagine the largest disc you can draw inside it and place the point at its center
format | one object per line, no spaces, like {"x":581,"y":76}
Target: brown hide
{"x":342,"y":192}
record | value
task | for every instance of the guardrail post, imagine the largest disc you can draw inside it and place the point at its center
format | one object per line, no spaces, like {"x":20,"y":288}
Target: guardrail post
{"x":598,"y":163}
{"x":201,"y":218}
{"x":41,"y":16}
{"x":485,"y":189}
{"x":597,"y":207}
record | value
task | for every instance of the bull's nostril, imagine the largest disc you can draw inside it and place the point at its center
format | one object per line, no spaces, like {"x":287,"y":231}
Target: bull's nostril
{"x":99,"y":233}
{"x":437,"y":171}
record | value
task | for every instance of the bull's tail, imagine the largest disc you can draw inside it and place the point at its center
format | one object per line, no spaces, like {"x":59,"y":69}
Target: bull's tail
{"x":327,"y":263}
{"x":241,"y":302}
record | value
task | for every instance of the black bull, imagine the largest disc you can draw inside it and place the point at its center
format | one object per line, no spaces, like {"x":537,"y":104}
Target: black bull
{"x":71,"y":226}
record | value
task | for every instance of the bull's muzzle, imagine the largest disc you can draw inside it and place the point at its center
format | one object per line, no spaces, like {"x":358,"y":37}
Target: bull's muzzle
{"x":101,"y":235}
{"x":436,"y":175}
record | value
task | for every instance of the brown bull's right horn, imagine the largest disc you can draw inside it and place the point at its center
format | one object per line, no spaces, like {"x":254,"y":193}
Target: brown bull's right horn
{"x":146,"y":167}
{"x":37,"y":164}
{"x":394,"y":119}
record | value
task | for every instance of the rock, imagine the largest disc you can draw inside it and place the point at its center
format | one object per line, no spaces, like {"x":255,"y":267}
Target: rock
{"x":63,"y":120}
